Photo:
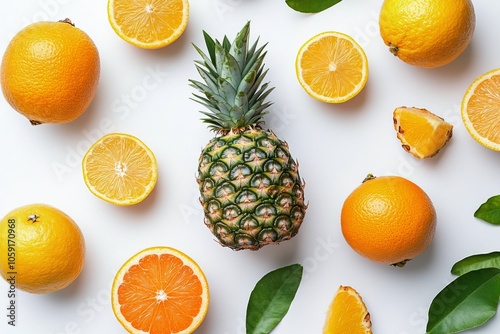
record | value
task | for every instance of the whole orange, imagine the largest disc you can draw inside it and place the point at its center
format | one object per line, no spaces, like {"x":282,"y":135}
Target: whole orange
{"x":50,"y":72}
{"x":43,"y":248}
{"x":388,"y":219}
{"x":427,"y":33}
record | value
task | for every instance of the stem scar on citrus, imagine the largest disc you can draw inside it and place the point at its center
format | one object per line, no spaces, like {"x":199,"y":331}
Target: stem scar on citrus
{"x":46,"y":248}
{"x":427,"y":33}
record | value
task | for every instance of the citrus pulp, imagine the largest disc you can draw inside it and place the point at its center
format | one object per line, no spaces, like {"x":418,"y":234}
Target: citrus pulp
{"x":332,"y":67}
{"x":160,"y":290}
{"x":148,"y":24}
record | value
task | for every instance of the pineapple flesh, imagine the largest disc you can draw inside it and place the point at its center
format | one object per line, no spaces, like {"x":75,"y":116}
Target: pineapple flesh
{"x":250,"y":188}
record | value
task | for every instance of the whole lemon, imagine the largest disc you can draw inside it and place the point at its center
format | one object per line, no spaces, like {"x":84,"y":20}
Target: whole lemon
{"x":388,"y":219}
{"x":43,"y":249}
{"x":50,"y":72}
{"x":427,"y":33}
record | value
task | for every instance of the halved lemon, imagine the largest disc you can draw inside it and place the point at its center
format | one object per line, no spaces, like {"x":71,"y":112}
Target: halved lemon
{"x":160,"y":290}
{"x":148,"y":24}
{"x":332,"y":67}
{"x":347,"y":314}
{"x":120,"y":169}
{"x":421,"y":132}
{"x":481,"y":109}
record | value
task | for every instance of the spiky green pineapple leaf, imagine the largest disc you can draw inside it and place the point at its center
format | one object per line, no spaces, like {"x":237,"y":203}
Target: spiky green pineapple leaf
{"x":261,"y":95}
{"x":227,"y":62}
{"x":239,"y":46}
{"x":226,"y":44}
{"x":205,"y":75}
{"x":226,"y":90}
{"x":207,"y":62}
{"x":210,"y":43}
{"x":259,"y":87}
{"x":241,"y":101}
{"x":233,"y":88}
{"x":205,"y":102}
{"x":237,"y":115}
{"x":247,"y":83}
{"x":252,"y":49}
{"x":255,"y":61}
{"x":220,"y":53}
{"x":202,"y":88}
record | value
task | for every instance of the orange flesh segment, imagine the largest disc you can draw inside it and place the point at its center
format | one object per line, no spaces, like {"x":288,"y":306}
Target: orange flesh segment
{"x":120,"y":169}
{"x":322,"y":60}
{"x":483,"y":109}
{"x":347,"y":314}
{"x":332,"y":67}
{"x":160,"y":295}
{"x":149,"y":23}
{"x":421,"y":132}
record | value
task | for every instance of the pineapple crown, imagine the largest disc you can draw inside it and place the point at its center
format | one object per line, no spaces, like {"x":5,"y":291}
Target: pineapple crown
{"x":233,"y":91}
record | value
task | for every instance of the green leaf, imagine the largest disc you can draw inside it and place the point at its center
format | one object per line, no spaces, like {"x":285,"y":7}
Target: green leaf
{"x":475,"y":262}
{"x":239,"y":46}
{"x":467,"y":302}
{"x":210,"y":47}
{"x":490,"y":210}
{"x":311,"y":6}
{"x":271,"y":298}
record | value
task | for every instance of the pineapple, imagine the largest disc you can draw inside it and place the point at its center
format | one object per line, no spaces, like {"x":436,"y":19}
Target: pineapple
{"x":250,"y":188}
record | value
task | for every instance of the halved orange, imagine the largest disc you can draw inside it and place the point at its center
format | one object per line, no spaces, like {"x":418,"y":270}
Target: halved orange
{"x":120,"y":169}
{"x":481,"y":109}
{"x":347,"y":314}
{"x":160,"y":290}
{"x":148,"y":24}
{"x":332,"y":67}
{"x":421,"y":132}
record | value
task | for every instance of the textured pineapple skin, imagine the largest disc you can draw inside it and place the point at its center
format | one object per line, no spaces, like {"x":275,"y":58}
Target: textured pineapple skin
{"x":251,"y":191}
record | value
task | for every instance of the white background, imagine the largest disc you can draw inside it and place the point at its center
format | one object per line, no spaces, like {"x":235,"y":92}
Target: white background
{"x":336,"y":146}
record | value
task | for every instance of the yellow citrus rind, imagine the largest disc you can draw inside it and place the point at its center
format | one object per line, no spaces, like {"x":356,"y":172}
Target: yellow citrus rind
{"x":49,"y":250}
